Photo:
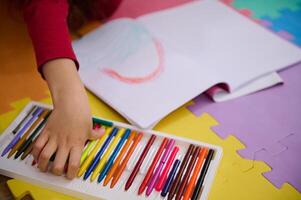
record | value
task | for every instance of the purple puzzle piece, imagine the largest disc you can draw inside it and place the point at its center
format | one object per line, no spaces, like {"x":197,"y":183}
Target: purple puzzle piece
{"x":286,"y":161}
{"x":261,"y":120}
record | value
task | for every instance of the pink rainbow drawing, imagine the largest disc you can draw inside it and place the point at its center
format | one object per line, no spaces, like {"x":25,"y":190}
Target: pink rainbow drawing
{"x":137,"y":80}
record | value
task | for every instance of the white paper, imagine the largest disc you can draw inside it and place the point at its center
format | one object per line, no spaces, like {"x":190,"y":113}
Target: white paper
{"x":148,"y":67}
{"x":261,"y":83}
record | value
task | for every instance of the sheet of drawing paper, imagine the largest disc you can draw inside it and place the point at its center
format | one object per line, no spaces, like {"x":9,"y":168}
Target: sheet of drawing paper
{"x":147,"y":68}
{"x":129,"y":69}
{"x":221,"y":40}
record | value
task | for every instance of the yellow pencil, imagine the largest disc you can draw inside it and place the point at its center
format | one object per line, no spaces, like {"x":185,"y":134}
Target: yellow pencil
{"x":89,"y":159}
{"x":106,"y":155}
{"x":87,"y":150}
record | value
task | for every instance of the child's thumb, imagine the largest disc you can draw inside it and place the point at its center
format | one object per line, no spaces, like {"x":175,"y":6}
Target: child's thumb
{"x":96,"y":134}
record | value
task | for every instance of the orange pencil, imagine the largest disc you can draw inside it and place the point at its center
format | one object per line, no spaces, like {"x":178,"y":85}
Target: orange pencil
{"x":118,"y":159}
{"x":122,"y":166}
{"x":23,"y":138}
{"x":194,"y":176}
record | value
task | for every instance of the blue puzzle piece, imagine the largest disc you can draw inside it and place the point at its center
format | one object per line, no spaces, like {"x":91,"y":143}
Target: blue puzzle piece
{"x":290,"y":22}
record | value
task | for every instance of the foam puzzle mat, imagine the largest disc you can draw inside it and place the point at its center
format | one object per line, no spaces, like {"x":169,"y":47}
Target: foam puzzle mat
{"x":237,"y":178}
{"x":260,"y":169}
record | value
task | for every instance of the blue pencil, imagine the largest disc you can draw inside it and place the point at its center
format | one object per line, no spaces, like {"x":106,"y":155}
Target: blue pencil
{"x":170,"y":178}
{"x":109,"y":163}
{"x":20,"y":133}
{"x":99,"y":154}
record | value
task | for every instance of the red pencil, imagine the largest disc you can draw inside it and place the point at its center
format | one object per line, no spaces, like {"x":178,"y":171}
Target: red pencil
{"x":152,"y":167}
{"x":139,"y":162}
{"x":163,"y":176}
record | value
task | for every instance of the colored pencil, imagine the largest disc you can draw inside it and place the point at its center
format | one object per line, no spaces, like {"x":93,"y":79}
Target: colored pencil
{"x":87,"y":150}
{"x":123,"y":164}
{"x":26,"y":134}
{"x":186,"y":176}
{"x":89,"y":159}
{"x":152,"y":167}
{"x":99,"y":153}
{"x":22,"y":130}
{"x":118,"y":159}
{"x":26,"y":147}
{"x":89,"y":146}
{"x":163,"y":176}
{"x":110,"y":161}
{"x":139,"y":162}
{"x":102,"y":122}
{"x":25,"y":119}
{"x":197,"y":191}
{"x":175,"y":185}
{"x":170,"y":178}
{"x":27,"y":150}
{"x":196,"y":171}
{"x":107,"y":153}
{"x":158,"y":170}
{"x":7,"y":138}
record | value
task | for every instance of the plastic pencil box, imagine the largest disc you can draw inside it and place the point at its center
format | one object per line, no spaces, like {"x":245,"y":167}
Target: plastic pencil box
{"x":23,"y":169}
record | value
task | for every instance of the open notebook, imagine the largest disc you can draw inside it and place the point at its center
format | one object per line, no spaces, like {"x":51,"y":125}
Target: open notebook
{"x":147,"y":67}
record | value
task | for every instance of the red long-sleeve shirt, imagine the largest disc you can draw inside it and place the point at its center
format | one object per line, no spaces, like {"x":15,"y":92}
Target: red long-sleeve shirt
{"x":47,"y":26}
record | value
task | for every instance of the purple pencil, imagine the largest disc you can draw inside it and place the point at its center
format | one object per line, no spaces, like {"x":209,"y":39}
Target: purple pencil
{"x":20,"y":133}
{"x":154,"y":178}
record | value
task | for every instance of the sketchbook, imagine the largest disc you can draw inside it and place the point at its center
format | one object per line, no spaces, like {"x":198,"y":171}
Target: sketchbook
{"x":147,"y":67}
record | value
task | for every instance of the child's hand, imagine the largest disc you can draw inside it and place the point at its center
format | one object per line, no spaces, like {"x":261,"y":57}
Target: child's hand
{"x":70,"y":123}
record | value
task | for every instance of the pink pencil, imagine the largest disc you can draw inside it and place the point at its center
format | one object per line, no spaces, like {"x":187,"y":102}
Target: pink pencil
{"x":163,"y":176}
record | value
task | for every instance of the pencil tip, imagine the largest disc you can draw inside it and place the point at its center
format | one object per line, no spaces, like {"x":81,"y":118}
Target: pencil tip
{"x":126,"y":187}
{"x":163,"y":194}
{"x":99,"y":179}
{"x":17,"y":155}
{"x":105,"y":183}
{"x":3,"y":153}
{"x":140,"y":192}
{"x":112,"y":184}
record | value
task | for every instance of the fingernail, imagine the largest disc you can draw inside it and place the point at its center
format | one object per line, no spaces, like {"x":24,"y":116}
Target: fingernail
{"x":102,"y":130}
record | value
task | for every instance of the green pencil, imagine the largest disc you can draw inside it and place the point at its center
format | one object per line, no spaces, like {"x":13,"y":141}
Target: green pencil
{"x":102,"y":122}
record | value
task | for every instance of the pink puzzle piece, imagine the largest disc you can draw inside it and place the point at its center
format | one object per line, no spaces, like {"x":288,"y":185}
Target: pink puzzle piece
{"x":261,"y":121}
{"x":135,"y":8}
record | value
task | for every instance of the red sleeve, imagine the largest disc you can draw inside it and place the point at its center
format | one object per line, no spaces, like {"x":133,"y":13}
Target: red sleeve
{"x":47,"y":26}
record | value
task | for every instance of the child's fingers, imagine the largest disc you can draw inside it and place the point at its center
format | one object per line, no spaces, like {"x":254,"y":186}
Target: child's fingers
{"x":60,"y":160}
{"x":39,"y":145}
{"x":74,"y":161}
{"x":46,"y":153}
{"x":96,"y":134}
